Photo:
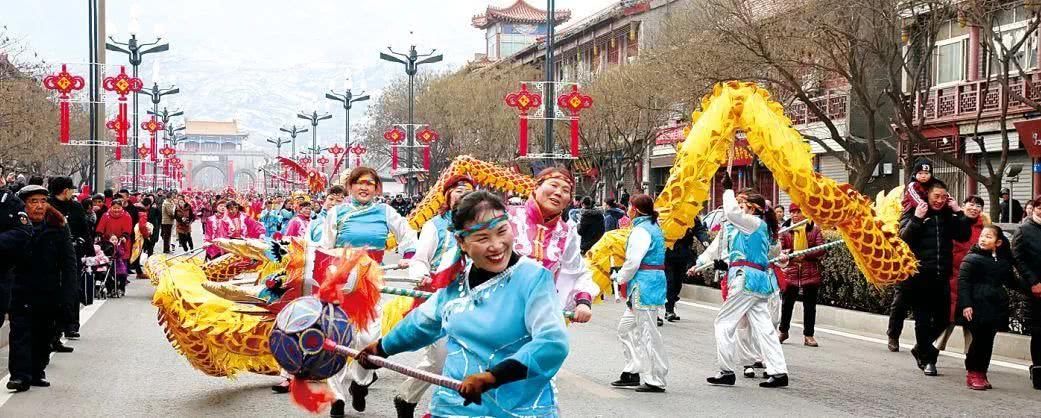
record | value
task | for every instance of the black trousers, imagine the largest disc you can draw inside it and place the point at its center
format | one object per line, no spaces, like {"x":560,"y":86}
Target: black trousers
{"x":930,"y":302}
{"x":186,"y":241}
{"x":977,"y":358}
{"x":71,"y":316}
{"x":1034,"y":324}
{"x":675,"y":270}
{"x":897,"y":313}
{"x":33,"y":327}
{"x":809,"y":307}
{"x":165,"y":230}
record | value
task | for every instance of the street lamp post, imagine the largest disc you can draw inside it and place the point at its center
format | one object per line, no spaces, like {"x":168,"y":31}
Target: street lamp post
{"x":314,"y":118}
{"x":293,"y":131}
{"x":278,"y":142}
{"x":550,"y":76}
{"x":157,"y":95}
{"x":165,"y":115}
{"x":412,"y":60}
{"x":136,"y":51}
{"x":171,"y":134}
{"x":347,"y":98}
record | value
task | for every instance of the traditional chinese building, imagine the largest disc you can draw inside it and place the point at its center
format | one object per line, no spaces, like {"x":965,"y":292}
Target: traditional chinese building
{"x":214,"y":157}
{"x":508,"y":30}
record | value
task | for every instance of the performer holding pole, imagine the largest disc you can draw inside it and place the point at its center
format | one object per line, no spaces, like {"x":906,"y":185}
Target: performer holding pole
{"x":360,"y":222}
{"x":644,"y":271}
{"x":501,"y":321}
{"x":749,"y":230}
{"x":546,"y":238}
{"x":436,"y":247}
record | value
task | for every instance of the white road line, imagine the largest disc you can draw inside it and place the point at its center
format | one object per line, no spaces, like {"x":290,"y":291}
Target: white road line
{"x":1010,"y":365}
{"x":85,"y":315}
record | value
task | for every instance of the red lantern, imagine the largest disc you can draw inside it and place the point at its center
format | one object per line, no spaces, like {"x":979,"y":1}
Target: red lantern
{"x":119,"y":125}
{"x":336,"y":150}
{"x":122,"y":85}
{"x":395,"y":135}
{"x":64,"y":83}
{"x":574,"y":102}
{"x":143,"y":152}
{"x":524,"y":101}
{"x":358,"y":150}
{"x":427,"y":136}
{"x":323,"y":161}
{"x":153,"y":126}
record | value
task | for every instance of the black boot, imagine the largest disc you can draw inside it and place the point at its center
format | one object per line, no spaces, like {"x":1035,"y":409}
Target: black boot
{"x":58,"y":347}
{"x":627,"y":379}
{"x":1035,"y":376}
{"x":650,"y":389}
{"x":358,"y":394}
{"x":917,"y":359}
{"x":281,"y":387}
{"x":405,"y":409}
{"x":337,"y":409}
{"x":775,"y":381}
{"x":40,"y":382}
{"x":723,"y":378}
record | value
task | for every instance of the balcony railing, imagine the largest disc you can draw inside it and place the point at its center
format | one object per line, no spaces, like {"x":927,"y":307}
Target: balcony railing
{"x":964,"y":101}
{"x":835,"y":106}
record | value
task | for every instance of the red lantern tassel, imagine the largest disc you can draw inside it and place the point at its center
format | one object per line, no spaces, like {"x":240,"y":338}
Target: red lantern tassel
{"x":121,"y":134}
{"x":523,"y":146}
{"x":142,"y":168}
{"x":394,"y":157}
{"x":119,"y":153}
{"x":426,"y":158}
{"x":64,"y":132}
{"x":152,"y":150}
{"x":574,"y":137}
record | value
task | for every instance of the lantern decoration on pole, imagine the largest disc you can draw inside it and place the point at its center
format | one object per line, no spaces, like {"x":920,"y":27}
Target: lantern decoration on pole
{"x":358,"y":150}
{"x":323,"y":161}
{"x":574,"y":102}
{"x":427,"y":136}
{"x":122,"y":85}
{"x":178,"y":167}
{"x":336,"y":150}
{"x":143,"y":152}
{"x":395,"y":136}
{"x":64,"y":83}
{"x":524,"y":101}
{"x":118,"y":125}
{"x":167,"y":152}
{"x":153,"y":126}
{"x":171,"y":168}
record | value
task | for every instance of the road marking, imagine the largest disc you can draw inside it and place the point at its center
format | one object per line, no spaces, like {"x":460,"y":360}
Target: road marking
{"x":1010,"y":365}
{"x":85,"y":315}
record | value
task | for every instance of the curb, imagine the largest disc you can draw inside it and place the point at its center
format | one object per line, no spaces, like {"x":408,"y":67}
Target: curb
{"x":1012,"y":346}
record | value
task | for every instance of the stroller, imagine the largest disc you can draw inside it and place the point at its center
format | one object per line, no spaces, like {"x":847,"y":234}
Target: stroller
{"x":98,"y":271}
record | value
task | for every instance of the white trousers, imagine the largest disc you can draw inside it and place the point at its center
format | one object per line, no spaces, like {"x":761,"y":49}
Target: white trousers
{"x":642,"y":346}
{"x":742,"y":304}
{"x":748,"y":348}
{"x":358,"y":374}
{"x":412,"y":389}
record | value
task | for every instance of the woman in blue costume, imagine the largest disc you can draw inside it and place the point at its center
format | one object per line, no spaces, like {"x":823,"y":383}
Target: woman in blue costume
{"x":360,"y":222}
{"x":644,"y":271}
{"x":741,"y":249}
{"x":501,"y":320}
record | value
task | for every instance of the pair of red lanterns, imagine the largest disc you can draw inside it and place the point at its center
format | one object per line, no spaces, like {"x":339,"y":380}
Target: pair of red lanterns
{"x":396,"y":136}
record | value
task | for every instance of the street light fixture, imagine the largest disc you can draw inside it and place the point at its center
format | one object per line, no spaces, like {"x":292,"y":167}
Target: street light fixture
{"x":314,"y":118}
{"x":165,"y":115}
{"x":412,"y":60}
{"x":157,"y":94}
{"x":278,"y":142}
{"x":293,"y":131}
{"x":347,"y":98}
{"x":135,"y":52}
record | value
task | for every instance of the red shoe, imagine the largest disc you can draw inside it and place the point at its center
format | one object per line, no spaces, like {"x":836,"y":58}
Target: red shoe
{"x":974,"y":382}
{"x":983,"y":377}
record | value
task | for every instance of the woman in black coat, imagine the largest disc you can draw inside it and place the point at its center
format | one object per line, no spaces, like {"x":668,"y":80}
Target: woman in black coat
{"x":983,"y":301}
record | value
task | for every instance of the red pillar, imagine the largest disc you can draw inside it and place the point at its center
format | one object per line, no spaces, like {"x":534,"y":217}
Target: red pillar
{"x":1037,"y":177}
{"x":231,"y":173}
{"x":974,"y":54}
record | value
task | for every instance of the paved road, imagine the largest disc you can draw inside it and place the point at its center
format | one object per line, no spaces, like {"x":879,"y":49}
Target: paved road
{"x":123,"y":366}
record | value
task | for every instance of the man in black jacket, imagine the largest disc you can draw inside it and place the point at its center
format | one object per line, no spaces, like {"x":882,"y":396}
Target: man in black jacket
{"x":1026,"y":247}
{"x":15,"y":231}
{"x":49,"y":266}
{"x":62,"y":198}
{"x":590,"y":225}
{"x":930,"y":230}
{"x":678,"y":259}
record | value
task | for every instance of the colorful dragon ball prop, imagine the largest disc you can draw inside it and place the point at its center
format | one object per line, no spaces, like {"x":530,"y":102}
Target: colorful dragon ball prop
{"x":300,"y":331}
{"x":880,"y":254}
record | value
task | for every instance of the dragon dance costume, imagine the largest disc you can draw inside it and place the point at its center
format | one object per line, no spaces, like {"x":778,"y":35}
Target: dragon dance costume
{"x":644,"y":271}
{"x":508,"y":324}
{"x":750,"y":284}
{"x":363,"y":225}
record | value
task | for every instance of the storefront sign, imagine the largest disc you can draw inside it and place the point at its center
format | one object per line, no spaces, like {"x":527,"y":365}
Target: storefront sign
{"x":1030,"y":136}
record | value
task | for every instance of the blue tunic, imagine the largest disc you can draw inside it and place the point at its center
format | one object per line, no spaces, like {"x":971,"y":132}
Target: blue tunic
{"x":649,"y":285}
{"x":273,"y":219}
{"x":753,"y":248}
{"x":514,"y":315}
